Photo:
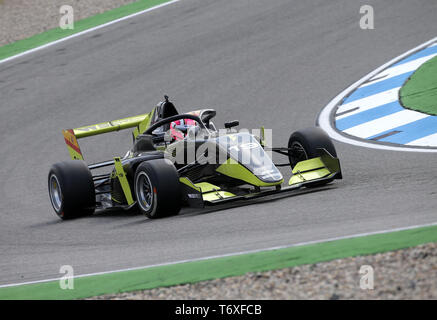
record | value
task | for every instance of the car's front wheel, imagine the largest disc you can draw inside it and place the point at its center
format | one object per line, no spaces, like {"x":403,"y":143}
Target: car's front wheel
{"x":304,"y":144}
{"x":157,"y":188}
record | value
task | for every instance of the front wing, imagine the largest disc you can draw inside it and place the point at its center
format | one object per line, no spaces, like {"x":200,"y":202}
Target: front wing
{"x":312,"y":172}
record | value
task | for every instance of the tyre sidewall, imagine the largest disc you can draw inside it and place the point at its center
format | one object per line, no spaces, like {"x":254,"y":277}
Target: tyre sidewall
{"x":151,"y":213}
{"x":312,"y":139}
{"x":165,"y":180}
{"x":77,"y":189}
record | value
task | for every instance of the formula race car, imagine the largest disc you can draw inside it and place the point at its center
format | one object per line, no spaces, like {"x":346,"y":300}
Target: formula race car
{"x":183,"y":160}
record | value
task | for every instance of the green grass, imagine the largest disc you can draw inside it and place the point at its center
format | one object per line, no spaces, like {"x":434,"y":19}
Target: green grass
{"x":81,"y":25}
{"x":196,"y":271}
{"x":419,"y":93}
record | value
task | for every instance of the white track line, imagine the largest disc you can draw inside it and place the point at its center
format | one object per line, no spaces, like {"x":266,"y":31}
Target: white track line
{"x":430,"y":141}
{"x":324,"y":118}
{"x":398,"y":70}
{"x":382,"y":124}
{"x":229,"y":254}
{"x":87,"y":31}
{"x":369,"y":102}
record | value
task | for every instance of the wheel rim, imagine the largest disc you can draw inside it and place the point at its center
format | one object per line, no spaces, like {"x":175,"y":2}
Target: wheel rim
{"x":298,"y":152}
{"x":144,"y":190}
{"x":55,"y":193}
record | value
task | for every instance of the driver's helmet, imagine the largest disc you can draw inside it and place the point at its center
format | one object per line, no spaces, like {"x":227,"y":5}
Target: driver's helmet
{"x":179,"y":128}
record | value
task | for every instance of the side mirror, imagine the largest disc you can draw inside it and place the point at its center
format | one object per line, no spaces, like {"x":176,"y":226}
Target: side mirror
{"x":232,"y":124}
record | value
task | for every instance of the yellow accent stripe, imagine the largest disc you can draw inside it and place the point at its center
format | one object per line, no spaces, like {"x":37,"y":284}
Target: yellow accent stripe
{"x":110,"y":126}
{"x":207,"y":187}
{"x":307,"y":165}
{"x":209,"y":191}
{"x":217,"y":195}
{"x":188,"y":182}
{"x":145,"y":124}
{"x":123,"y":180}
{"x":308,"y":176}
{"x":315,"y":168}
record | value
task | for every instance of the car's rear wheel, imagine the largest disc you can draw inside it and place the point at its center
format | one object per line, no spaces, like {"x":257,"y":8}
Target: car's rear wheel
{"x":71,"y":189}
{"x":157,"y":188}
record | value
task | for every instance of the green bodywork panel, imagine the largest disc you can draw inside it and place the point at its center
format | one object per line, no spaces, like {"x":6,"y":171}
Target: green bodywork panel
{"x":322,"y":169}
{"x":300,"y":177}
{"x":144,"y":125}
{"x":211,"y":192}
{"x":207,"y":187}
{"x":140,"y":124}
{"x":121,"y":175}
{"x":233,"y":169}
{"x":315,"y":168}
{"x":110,"y":126}
{"x":208,"y":191}
{"x":188,"y":182}
{"x":217,"y":195}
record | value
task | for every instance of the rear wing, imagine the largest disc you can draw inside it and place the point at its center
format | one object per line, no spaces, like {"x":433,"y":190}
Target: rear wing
{"x":140,"y":123}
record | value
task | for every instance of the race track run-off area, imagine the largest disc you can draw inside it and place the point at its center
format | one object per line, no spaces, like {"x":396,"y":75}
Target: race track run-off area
{"x":266,"y":63}
{"x":373,"y":111}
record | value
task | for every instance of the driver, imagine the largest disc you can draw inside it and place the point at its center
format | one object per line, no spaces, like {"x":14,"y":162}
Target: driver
{"x":179,"y":128}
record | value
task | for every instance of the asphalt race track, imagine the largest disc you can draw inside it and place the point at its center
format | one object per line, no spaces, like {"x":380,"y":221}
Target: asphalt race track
{"x":274,"y":63}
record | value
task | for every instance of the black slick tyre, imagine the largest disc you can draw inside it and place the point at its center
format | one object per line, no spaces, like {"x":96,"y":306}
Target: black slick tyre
{"x":71,"y":189}
{"x":157,"y":188}
{"x":304,"y":144}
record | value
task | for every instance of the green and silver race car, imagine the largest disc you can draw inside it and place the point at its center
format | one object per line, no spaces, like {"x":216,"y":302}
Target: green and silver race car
{"x":183,"y":160}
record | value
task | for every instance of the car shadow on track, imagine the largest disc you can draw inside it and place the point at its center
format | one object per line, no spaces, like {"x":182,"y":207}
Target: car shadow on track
{"x":115,"y":213}
{"x":190,"y":212}
{"x":109,"y":214}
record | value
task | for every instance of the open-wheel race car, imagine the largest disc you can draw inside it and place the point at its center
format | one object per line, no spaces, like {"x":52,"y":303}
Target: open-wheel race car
{"x":183,"y":160}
